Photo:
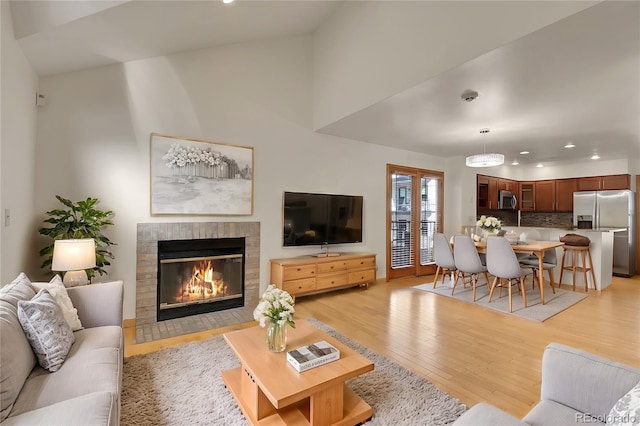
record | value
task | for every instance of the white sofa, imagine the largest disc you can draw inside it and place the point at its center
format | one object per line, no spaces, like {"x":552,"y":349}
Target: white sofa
{"x":85,"y":390}
{"x":577,"y":388}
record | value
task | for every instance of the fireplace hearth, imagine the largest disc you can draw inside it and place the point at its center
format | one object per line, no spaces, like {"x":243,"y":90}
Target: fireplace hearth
{"x":199,"y":276}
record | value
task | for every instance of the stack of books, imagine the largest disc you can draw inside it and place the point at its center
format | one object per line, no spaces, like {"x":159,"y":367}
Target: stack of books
{"x":313,"y":355}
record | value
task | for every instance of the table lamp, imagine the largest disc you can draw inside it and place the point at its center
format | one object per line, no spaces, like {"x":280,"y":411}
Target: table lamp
{"x":74,"y":256}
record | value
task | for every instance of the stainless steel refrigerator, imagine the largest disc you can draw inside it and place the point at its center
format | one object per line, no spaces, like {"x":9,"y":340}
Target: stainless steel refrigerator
{"x":610,"y":210}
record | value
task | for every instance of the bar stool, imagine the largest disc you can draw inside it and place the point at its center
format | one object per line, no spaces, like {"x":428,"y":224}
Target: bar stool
{"x":584,"y":253}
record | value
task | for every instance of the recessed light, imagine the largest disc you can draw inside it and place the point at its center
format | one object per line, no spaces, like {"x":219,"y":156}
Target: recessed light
{"x":227,"y":1}
{"x":570,"y":145}
{"x":595,"y":157}
{"x":524,"y":152}
{"x":539,"y":165}
{"x":515,"y":163}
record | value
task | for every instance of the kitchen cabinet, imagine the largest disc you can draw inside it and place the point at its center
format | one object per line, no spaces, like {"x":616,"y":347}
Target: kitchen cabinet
{"x":596,"y":183}
{"x":487,"y":195}
{"x":527,"y":196}
{"x":564,"y":194}
{"x":545,"y":195}
{"x":507,"y":185}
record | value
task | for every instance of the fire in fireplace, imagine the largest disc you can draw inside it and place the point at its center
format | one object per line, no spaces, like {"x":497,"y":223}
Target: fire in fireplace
{"x":199,"y":276}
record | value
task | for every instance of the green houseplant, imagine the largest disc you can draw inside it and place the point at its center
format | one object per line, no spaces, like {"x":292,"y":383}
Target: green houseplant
{"x":79,"y":220}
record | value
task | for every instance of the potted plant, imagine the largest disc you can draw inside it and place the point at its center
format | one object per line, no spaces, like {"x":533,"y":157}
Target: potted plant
{"x":79,"y":220}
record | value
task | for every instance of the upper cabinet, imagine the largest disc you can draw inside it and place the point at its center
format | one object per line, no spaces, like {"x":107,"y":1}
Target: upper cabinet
{"x":545,"y":195}
{"x":564,"y":194}
{"x":507,"y":185}
{"x":487,"y":196}
{"x":554,"y":195}
{"x":596,"y":183}
{"x":527,"y":196}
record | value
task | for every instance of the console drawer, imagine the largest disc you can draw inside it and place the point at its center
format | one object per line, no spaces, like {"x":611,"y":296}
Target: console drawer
{"x":300,"y":286}
{"x":332,"y":280}
{"x":339,"y":265}
{"x":298,"y":272}
{"x":365,"y":262}
{"x":364,"y":276}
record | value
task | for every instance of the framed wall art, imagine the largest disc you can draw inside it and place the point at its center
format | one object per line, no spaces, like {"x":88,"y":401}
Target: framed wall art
{"x":199,"y":177}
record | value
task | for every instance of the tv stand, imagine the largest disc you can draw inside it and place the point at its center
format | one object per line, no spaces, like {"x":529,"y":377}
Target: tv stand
{"x":312,"y":274}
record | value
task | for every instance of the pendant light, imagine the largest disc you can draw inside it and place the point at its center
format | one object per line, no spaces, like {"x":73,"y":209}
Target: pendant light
{"x":484,"y":159}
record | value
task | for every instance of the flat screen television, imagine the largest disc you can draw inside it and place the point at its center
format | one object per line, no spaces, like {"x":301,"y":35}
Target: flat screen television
{"x":319,"y":219}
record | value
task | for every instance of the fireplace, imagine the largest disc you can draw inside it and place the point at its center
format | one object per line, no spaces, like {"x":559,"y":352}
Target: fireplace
{"x":199,"y":276}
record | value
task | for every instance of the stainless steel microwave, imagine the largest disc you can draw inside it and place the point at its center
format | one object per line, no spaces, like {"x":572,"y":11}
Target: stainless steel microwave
{"x":507,"y":200}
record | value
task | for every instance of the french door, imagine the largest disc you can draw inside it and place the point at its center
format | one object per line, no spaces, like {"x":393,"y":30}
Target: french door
{"x":414,"y":215}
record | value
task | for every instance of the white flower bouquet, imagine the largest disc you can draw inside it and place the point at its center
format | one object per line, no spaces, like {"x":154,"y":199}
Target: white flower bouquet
{"x":489,"y":223}
{"x":275,"y":307}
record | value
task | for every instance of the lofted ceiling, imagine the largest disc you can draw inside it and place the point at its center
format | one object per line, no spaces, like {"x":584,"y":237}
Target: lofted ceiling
{"x":577,"y":80}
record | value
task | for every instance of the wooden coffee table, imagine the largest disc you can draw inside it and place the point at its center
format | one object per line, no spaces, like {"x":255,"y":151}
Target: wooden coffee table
{"x":271,"y":392}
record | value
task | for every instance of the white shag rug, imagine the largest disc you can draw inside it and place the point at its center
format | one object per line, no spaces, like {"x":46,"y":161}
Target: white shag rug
{"x":182,"y":386}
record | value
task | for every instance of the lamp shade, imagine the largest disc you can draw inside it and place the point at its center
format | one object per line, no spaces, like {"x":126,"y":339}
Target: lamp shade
{"x":73,"y":255}
{"x":485,"y":160}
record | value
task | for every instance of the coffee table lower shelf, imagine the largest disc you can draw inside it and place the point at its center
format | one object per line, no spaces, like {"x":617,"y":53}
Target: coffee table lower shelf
{"x":355,"y":409}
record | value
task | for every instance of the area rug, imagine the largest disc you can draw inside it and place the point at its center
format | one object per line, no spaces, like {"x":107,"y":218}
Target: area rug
{"x":182,"y":386}
{"x":535,"y":311}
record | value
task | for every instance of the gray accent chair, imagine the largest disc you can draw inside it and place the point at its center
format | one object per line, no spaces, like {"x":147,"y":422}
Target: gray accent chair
{"x":577,"y":388}
{"x":444,"y":258}
{"x":503,"y":264}
{"x":468,"y":261}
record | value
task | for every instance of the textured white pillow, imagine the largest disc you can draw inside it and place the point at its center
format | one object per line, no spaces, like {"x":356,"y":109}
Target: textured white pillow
{"x":46,"y":330}
{"x":627,"y":409}
{"x":56,"y":288}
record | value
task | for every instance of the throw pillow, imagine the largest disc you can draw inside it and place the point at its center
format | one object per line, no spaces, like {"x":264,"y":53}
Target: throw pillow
{"x":627,"y":409}
{"x":46,"y":329}
{"x":56,"y":288}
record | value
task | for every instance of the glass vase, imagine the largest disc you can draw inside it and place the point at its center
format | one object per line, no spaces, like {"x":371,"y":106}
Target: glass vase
{"x":277,"y":337}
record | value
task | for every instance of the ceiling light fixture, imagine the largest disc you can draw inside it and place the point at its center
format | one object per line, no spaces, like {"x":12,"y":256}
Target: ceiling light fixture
{"x":484,"y":159}
{"x":227,"y":1}
{"x":515,"y":163}
{"x":570,"y":145}
{"x":595,"y":157}
{"x":539,"y":165}
{"x":524,"y":152}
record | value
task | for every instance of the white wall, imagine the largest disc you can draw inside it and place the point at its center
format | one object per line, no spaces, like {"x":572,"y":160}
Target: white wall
{"x":407,"y":43}
{"x":17,"y":132}
{"x":93,"y":140}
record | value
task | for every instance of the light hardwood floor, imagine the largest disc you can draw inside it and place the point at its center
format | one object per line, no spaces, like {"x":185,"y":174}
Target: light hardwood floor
{"x":470,"y":352}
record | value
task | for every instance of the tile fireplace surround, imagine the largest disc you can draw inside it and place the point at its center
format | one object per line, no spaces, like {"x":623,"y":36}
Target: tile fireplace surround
{"x":147,"y":326}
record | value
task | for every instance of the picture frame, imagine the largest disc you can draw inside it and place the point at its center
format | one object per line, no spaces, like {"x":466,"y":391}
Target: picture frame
{"x":199,"y":177}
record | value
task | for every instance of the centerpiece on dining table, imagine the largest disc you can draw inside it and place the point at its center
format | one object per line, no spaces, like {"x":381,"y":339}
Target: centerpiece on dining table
{"x":489,"y":225}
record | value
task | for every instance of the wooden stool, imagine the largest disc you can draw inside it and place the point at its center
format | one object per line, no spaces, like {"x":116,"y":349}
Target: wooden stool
{"x":585,"y":254}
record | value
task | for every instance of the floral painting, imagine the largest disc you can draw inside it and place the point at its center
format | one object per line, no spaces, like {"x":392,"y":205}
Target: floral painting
{"x":192,"y":176}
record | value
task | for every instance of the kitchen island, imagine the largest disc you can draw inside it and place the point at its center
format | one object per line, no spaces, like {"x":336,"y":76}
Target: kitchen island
{"x":601,"y":252}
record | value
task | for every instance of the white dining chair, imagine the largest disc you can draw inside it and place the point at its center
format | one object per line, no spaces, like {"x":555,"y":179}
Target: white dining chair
{"x":503,"y":264}
{"x":444,"y":258}
{"x":468,"y":261}
{"x":549,"y":262}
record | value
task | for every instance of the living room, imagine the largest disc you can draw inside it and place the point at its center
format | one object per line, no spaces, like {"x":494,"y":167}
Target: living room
{"x":92,"y":138}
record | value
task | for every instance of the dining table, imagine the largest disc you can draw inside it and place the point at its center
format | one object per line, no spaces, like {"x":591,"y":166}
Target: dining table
{"x":536,"y":247}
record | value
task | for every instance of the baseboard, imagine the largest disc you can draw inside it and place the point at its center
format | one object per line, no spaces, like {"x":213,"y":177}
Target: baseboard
{"x":129,"y":323}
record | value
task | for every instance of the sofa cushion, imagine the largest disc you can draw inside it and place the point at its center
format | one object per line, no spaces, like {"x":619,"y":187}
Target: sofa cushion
{"x":94,"y":364}
{"x":93,"y":409}
{"x":486,"y":414}
{"x":548,"y":412}
{"x":16,"y":356}
{"x":46,"y":329}
{"x":627,"y":409}
{"x":59,"y":292}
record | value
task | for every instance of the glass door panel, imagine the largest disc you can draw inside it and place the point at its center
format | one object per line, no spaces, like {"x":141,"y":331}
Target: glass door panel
{"x":401,"y":242}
